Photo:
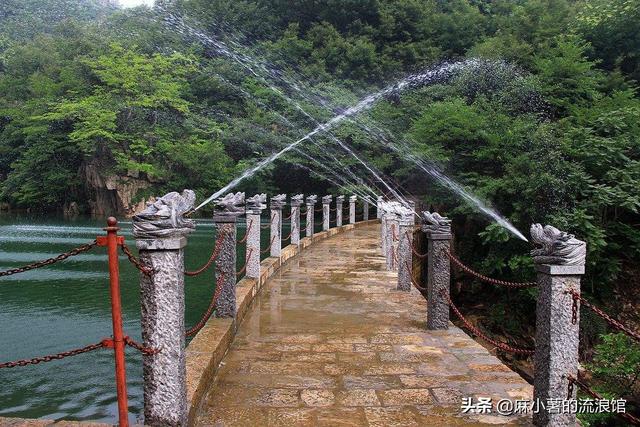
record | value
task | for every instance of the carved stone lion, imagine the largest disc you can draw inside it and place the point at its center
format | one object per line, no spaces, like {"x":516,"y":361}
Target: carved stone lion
{"x":297,"y":200}
{"x":311,"y":200}
{"x":230,"y":205}
{"x":340,"y":199}
{"x":326,"y":200}
{"x":259,"y":201}
{"x":435,"y":223}
{"x":279,"y":201}
{"x":558,"y":247}
{"x":353,"y":199}
{"x":165,"y":216}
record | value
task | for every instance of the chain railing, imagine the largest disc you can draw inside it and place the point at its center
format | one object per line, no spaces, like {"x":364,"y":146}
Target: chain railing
{"x":288,"y":236}
{"x":246,"y":234}
{"x":50,"y":261}
{"x":56,"y":356}
{"x":246,"y":263}
{"x":610,"y":320}
{"x":214,"y":255}
{"x":268,"y":247}
{"x":478,"y":332}
{"x":486,"y":279}
{"x":413,"y":280}
{"x":147,"y":271}
{"x":264,"y":227}
{"x":207,"y":315}
{"x":414,"y":250}
{"x":594,"y":394}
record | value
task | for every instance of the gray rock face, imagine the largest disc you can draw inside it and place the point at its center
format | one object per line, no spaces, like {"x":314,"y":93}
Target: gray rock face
{"x":433,"y":222}
{"x":165,"y":217}
{"x":558,"y":247}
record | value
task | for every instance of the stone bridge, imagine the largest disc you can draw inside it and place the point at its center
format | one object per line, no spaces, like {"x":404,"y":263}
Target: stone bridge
{"x":328,"y":340}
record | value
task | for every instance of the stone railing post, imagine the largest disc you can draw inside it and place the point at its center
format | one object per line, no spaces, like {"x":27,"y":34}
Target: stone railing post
{"x":379,"y":207}
{"x":405,"y":254}
{"x":365,"y":210}
{"x":326,"y":212}
{"x":384,"y":232}
{"x":311,"y":203}
{"x":339,"y":207}
{"x":412,"y":206}
{"x":560,"y":264}
{"x":296,"y":203}
{"x":255,"y":206}
{"x":225,"y":216}
{"x":352,"y":209}
{"x":161,"y":235}
{"x":438,"y":232}
{"x":277,"y":203}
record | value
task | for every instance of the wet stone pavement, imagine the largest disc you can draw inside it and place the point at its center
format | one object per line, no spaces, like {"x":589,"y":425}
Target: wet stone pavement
{"x":330,"y":342}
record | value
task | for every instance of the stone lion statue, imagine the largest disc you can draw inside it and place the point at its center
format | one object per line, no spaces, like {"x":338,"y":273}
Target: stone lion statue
{"x":435,"y":222}
{"x":353,"y":199}
{"x":327,"y":199}
{"x":259,"y":201}
{"x":312,"y":199}
{"x":165,"y":216}
{"x":557,"y":247}
{"x":297,"y":198}
{"x":231,"y":204}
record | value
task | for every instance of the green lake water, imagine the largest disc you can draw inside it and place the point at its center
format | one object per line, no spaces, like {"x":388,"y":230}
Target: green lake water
{"x":66,"y":305}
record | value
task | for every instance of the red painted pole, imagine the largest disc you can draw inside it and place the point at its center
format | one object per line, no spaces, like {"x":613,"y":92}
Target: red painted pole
{"x":112,"y":243}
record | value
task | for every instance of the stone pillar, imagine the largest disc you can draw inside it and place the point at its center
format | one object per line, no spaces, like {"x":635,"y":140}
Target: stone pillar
{"x":384,"y":232}
{"x":226,"y":213}
{"x":438,"y":232}
{"x":560,"y":265}
{"x":352,"y":209}
{"x":255,"y":206}
{"x":365,"y":209}
{"x":311,"y":203}
{"x":390,"y":218}
{"x":326,"y":212}
{"x":405,"y":254}
{"x":275,"y":239}
{"x":339,"y":207}
{"x":379,"y":207}
{"x":412,"y":206}
{"x":296,"y":202}
{"x":161,"y":235}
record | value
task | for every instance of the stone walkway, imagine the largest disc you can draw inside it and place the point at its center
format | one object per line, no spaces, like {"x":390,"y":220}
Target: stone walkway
{"x":330,"y":342}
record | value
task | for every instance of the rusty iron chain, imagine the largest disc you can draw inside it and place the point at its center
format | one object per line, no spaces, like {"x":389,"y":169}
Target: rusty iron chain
{"x":147,"y":271}
{"x":141,"y":348}
{"x":51,"y":357}
{"x":246,"y":234}
{"x":289,"y":217}
{"x":214,"y":255}
{"x":264,"y":227}
{"x":289,"y":236}
{"x":486,"y":279}
{"x":207,"y":315}
{"x":268,"y":247}
{"x":502,"y":346}
{"x":73,"y":252}
{"x":594,"y":394}
{"x":413,"y":280}
{"x":415,"y":251}
{"x":246,"y":263}
{"x":610,"y":320}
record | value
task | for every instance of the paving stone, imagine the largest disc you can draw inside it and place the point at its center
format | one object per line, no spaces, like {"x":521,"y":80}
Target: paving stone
{"x":330,"y":342}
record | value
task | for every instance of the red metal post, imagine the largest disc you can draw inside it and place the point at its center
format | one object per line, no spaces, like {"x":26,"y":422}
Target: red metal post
{"x":112,"y":243}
